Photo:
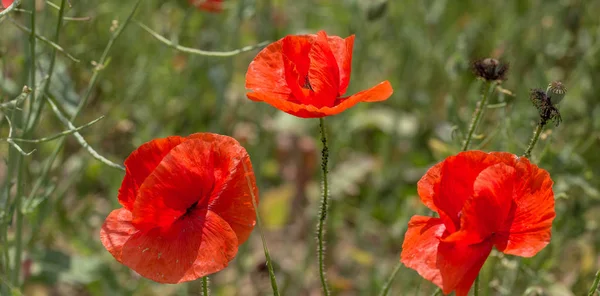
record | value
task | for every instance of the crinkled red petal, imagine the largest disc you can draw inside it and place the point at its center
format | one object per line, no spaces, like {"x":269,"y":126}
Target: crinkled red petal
{"x":140,"y":164}
{"x":194,"y":246}
{"x":184,"y":179}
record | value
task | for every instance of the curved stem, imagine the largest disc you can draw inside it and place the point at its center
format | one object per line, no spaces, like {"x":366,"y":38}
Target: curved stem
{"x":477,"y":114}
{"x":262,"y":235}
{"x":536,"y":135}
{"x":199,"y":51}
{"x":323,"y":208}
{"x":386,"y":286}
{"x":205,"y":286}
{"x":594,"y":287}
{"x":476,"y":286}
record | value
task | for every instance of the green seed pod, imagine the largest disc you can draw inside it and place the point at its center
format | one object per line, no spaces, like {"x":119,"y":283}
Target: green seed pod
{"x":556,"y":92}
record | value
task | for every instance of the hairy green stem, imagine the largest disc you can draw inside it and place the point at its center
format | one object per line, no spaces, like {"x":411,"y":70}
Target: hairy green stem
{"x":536,"y":135}
{"x":262,"y":235}
{"x":476,"y":118}
{"x":388,"y":284}
{"x":205,"y":286}
{"x":323,"y":209}
{"x":594,"y":287}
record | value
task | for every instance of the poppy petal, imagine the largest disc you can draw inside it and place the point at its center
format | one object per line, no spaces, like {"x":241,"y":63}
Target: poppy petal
{"x":266,"y":73}
{"x":429,"y":185}
{"x":182,"y":179}
{"x":528,"y":228}
{"x":231,"y":198}
{"x":140,"y":164}
{"x":295,"y":53}
{"x":459,"y":265}
{"x":420,"y":247}
{"x":197,"y":245}
{"x":116,"y":230}
{"x":456,"y":184}
{"x":323,"y":73}
{"x":486,"y":212}
{"x":342,"y":50}
{"x":379,"y":92}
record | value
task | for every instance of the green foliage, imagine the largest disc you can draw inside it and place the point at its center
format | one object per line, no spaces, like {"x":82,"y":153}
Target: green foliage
{"x":377,"y":151}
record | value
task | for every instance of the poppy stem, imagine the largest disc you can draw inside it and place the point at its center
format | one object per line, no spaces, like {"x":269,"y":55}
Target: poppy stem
{"x":536,"y":135}
{"x":476,"y":286}
{"x":205,"y":286}
{"x":594,"y":287}
{"x":386,"y":286}
{"x":476,"y":118}
{"x":323,"y":208}
{"x":262,"y":235}
{"x":437,"y":292}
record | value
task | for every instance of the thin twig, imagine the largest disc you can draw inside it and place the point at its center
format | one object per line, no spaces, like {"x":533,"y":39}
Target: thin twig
{"x":12,"y":104}
{"x":81,"y":140}
{"x":10,"y":8}
{"x":48,"y":165}
{"x":45,"y":40}
{"x":11,"y":142}
{"x":37,"y":104}
{"x":53,"y":137}
{"x":199,"y":51}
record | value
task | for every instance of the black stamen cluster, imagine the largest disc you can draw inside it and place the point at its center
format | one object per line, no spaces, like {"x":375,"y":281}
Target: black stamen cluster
{"x":547,"y":110}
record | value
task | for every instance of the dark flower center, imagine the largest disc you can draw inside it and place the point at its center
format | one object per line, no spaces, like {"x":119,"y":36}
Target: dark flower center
{"x":307,"y":83}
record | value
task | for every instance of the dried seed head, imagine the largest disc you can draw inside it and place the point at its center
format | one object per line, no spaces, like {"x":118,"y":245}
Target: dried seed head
{"x":556,"y":91}
{"x":490,"y":69}
{"x":547,"y":111}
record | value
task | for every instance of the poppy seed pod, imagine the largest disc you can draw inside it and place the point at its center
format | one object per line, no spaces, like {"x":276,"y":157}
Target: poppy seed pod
{"x":556,"y":92}
{"x":490,"y":69}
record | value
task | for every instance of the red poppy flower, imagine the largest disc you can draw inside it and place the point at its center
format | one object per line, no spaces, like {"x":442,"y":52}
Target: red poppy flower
{"x":7,"y":3}
{"x":306,"y":76}
{"x":483,"y":200}
{"x":208,"y":5}
{"x":186,"y":207}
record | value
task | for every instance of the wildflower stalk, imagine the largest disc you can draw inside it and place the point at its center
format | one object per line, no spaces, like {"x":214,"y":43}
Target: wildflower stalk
{"x":386,"y":286}
{"x":437,"y":292}
{"x":481,"y":105}
{"x":103,"y":59}
{"x":262,"y":235}
{"x":19,"y":159}
{"x":38,"y":103}
{"x":536,"y":135}
{"x":323,"y":209}
{"x":205,"y":286}
{"x":476,"y":286}
{"x":594,"y":287}
{"x":199,"y":51}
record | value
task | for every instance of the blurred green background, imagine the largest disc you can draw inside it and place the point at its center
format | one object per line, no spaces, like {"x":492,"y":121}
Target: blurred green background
{"x":378,"y":151}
